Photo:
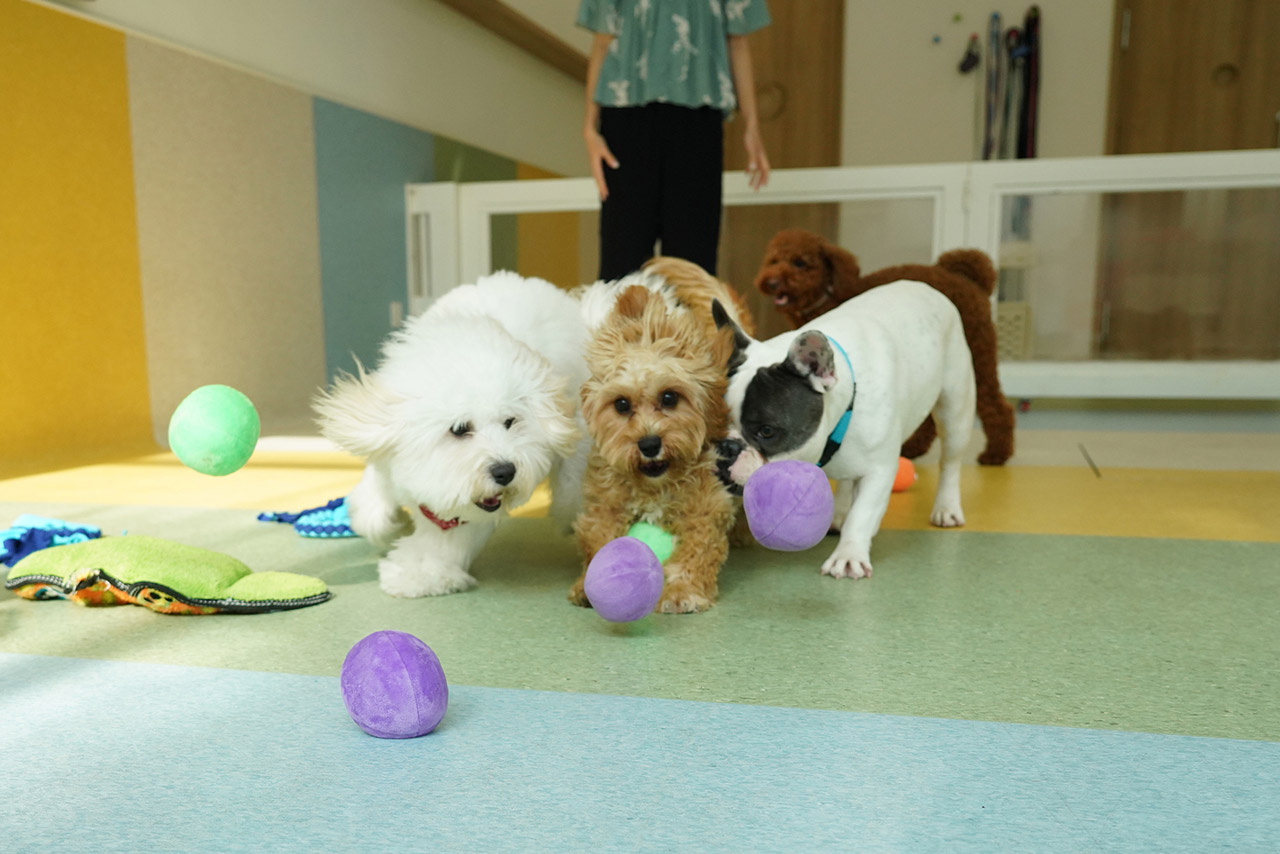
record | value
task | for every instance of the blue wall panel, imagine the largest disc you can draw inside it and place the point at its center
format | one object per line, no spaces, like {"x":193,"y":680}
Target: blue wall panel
{"x":362,"y":165}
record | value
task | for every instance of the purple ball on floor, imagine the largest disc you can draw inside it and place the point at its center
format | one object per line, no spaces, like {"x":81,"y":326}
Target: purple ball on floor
{"x":393,"y":686}
{"x":624,"y":580}
{"x":789,"y":505}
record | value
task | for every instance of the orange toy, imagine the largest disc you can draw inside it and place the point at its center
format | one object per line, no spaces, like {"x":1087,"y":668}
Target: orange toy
{"x":906,"y":475}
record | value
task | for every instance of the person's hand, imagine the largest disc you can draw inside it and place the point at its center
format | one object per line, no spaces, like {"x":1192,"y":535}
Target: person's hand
{"x":599,"y":154}
{"x":757,"y":160}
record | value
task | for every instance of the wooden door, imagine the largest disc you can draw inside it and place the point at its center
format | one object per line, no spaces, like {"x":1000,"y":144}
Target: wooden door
{"x":799,"y":63}
{"x":1192,"y":275}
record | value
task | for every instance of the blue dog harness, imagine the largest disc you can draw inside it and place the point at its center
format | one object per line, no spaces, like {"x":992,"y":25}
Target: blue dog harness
{"x":842,"y":426}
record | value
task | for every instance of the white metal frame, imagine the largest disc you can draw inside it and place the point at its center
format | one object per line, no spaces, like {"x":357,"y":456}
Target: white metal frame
{"x":452,"y":245}
{"x":431,"y":233}
{"x":989,"y":182}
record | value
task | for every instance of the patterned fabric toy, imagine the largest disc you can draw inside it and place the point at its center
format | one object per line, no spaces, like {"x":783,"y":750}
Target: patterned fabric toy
{"x":328,"y":521}
{"x":31,"y":533}
{"x":167,"y":577}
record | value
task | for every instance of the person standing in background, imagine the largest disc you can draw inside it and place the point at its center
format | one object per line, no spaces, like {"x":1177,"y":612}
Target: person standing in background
{"x":662,"y":77}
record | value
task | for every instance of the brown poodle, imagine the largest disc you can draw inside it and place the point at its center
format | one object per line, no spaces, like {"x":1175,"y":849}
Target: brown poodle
{"x":807,"y":276}
{"x":654,"y":407}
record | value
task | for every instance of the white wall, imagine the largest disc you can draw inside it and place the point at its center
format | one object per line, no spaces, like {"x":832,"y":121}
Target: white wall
{"x":906,"y":102}
{"x":413,"y":61}
{"x":418,"y":62}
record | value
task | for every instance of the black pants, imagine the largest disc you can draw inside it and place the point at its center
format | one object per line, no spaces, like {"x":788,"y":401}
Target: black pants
{"x":667,"y":187}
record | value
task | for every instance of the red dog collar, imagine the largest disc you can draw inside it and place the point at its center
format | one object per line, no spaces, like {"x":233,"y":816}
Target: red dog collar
{"x":440,"y":523}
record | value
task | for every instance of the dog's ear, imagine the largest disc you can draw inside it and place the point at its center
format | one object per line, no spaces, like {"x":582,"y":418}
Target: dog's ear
{"x":741,"y":341}
{"x":357,"y":413}
{"x":811,"y":357}
{"x":589,"y":398}
{"x":555,"y":413}
{"x":720,"y":316}
{"x":842,"y":266}
{"x":632,"y":302}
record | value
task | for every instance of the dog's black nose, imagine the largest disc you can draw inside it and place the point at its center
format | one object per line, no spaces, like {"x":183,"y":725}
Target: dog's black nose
{"x":770,"y":285}
{"x":650,"y":445}
{"x":729,"y":449}
{"x":502,"y":473}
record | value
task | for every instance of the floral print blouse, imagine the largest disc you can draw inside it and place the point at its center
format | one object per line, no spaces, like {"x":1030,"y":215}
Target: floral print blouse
{"x":670,"y":51}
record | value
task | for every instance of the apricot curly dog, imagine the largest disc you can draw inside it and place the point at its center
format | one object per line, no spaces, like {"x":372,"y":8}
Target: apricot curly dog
{"x":807,"y":276}
{"x":654,"y":406}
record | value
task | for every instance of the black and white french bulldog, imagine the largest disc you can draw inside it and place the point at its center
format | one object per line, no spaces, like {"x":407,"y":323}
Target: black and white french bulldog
{"x":844,"y":391}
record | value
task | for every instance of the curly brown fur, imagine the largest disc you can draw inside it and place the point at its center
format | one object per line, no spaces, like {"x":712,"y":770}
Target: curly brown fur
{"x":808,"y":276}
{"x":655,"y":374}
{"x":804,"y":277}
{"x":696,"y":288}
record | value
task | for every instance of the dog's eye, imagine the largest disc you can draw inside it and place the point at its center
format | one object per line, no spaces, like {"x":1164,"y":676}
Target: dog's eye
{"x":622,"y":405}
{"x":766,"y":432}
{"x":463,"y":429}
{"x":799,"y":263}
{"x":508,"y":423}
{"x":669,"y":399}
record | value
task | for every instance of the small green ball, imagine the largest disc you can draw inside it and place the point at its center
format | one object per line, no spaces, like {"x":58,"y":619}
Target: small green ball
{"x":662,"y":543}
{"x":214,"y":430}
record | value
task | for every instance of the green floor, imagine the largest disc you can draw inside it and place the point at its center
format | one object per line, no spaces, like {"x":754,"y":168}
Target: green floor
{"x":1133,"y":634}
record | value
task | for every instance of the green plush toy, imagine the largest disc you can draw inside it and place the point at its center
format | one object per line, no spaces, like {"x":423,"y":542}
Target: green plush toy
{"x":662,"y":543}
{"x":164,"y":576}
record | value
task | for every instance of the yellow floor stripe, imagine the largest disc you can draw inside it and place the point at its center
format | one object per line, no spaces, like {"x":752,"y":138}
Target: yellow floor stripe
{"x":1130,"y":502}
{"x":270,"y":481}
{"x":1124,"y":502}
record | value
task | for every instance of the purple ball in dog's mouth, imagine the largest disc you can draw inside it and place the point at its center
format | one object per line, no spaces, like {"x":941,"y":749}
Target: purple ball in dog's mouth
{"x":789,"y":505}
{"x":393,"y":686}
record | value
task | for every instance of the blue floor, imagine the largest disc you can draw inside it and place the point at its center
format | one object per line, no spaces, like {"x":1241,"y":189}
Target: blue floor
{"x":176,"y":758}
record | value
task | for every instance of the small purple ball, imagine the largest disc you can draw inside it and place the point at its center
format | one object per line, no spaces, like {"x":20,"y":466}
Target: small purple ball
{"x":393,"y":686}
{"x":624,"y":580}
{"x":789,"y":505}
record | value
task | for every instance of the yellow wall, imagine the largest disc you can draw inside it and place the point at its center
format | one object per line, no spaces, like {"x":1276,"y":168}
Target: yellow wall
{"x":72,"y":364}
{"x":547,"y":243}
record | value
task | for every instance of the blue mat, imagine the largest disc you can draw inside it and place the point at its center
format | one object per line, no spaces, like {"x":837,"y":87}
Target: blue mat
{"x":105,"y":756}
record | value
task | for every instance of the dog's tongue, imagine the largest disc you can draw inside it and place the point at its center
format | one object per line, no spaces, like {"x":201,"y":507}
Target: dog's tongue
{"x":781,"y":299}
{"x":492,"y":502}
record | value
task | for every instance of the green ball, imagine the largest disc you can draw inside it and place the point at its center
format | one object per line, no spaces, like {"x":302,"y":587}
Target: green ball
{"x":214,"y":430}
{"x":662,"y":543}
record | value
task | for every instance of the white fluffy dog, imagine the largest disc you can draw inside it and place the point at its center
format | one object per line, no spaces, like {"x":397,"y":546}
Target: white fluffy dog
{"x":471,"y":407}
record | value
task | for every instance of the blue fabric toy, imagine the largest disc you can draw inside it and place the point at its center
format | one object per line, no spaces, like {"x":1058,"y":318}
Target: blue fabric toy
{"x":30,"y":533}
{"x":329,"y":521}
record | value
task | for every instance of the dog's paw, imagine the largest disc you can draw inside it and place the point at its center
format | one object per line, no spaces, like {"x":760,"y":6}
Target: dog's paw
{"x":997,"y":457}
{"x":430,"y":580}
{"x":578,"y":594}
{"x":681,"y":597}
{"x":947,"y":516}
{"x":847,"y":563}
